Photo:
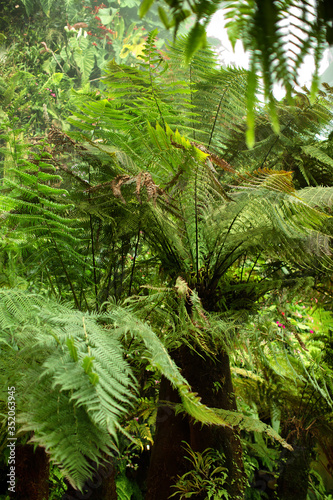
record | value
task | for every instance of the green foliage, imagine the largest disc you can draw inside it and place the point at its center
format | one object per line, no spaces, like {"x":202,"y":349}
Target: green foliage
{"x":71,"y":378}
{"x":94,"y":34}
{"x":127,"y":323}
{"x":317,"y":490}
{"x":160,"y":200}
{"x":181,"y":170}
{"x":57,"y":483}
{"x":36,"y":212}
{"x":127,"y":489}
{"x":201,"y":230}
{"x":72,"y":411}
{"x":278,"y":36}
{"x":208,"y":476}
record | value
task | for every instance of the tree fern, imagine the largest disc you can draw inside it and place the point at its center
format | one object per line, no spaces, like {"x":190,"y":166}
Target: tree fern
{"x":201,"y":216}
{"x":193,"y":219}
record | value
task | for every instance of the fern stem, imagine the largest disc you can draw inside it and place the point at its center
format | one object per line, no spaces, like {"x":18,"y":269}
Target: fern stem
{"x":252,"y":268}
{"x":272,"y":272}
{"x":243,"y":266}
{"x":50,"y":281}
{"x":93,"y":246}
{"x":134,"y":260}
{"x":153,"y":90}
{"x":93,"y":258}
{"x":218,"y":269}
{"x":82,"y":294}
{"x":122,"y":266}
{"x":216,"y":116}
{"x":64,"y":268}
{"x":217,"y":266}
{"x":196,"y":226}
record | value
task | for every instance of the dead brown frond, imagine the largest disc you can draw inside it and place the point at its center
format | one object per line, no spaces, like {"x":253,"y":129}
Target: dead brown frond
{"x":141,"y":180}
{"x":62,"y":142}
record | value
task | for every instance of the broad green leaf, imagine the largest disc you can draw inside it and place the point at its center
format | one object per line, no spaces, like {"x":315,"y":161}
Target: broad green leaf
{"x":72,"y":349}
{"x":84,"y":56}
{"x":105,"y":16}
{"x":196,"y":40}
{"x":145,"y":6}
{"x":164,"y":17}
{"x":57,"y":77}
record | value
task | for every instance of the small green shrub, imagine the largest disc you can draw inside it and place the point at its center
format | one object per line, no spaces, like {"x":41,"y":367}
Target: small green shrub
{"x":207,"y":476}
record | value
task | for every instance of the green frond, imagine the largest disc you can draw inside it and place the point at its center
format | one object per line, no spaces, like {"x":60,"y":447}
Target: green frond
{"x":72,"y":379}
{"x":250,"y":424}
{"x":75,"y":384}
{"x":321,"y":197}
{"x":159,"y":358}
{"x":278,"y":35}
{"x":220,"y":104}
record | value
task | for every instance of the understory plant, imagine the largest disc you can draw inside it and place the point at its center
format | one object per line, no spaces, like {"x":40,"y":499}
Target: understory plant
{"x":206,"y":479}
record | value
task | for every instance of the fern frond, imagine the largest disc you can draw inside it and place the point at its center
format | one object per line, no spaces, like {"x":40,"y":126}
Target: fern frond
{"x":160,"y":359}
{"x":75,"y":384}
{"x":250,"y":424}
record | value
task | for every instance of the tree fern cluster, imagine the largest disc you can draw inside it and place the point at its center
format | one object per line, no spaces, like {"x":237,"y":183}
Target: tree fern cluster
{"x":160,"y":183}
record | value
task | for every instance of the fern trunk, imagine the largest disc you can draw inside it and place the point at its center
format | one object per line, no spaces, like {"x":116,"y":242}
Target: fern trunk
{"x":293,"y":480}
{"x":167,"y":459}
{"x":32,"y":473}
{"x":102,"y":486}
{"x":211,"y":378}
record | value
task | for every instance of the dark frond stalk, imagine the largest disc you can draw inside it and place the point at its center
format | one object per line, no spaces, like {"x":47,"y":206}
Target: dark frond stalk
{"x":196,"y":225}
{"x":218,"y":272}
{"x":134,"y":261}
{"x":65,"y":270}
{"x":58,"y":286}
{"x":93,"y":249}
{"x":252,"y":268}
{"x":272,"y":272}
{"x":82,"y":294}
{"x":243,"y":266}
{"x":106,"y":285}
{"x":153,"y":89}
{"x":217,"y":267}
{"x":50,"y":281}
{"x":277,"y":138}
{"x":115,"y":288}
{"x":164,"y":243}
{"x":227,"y":257}
{"x":119,"y":290}
{"x":191,"y":94}
{"x":93,"y":258}
{"x":216,"y":116}
{"x":122,"y":265}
